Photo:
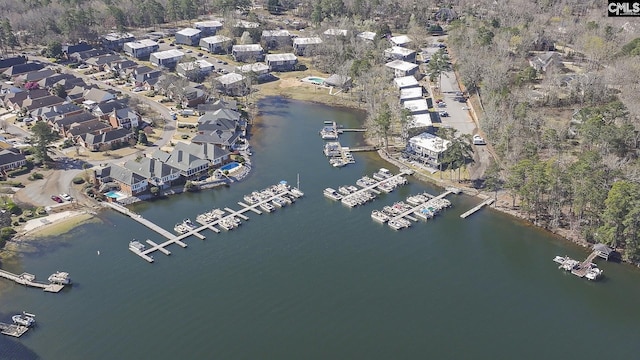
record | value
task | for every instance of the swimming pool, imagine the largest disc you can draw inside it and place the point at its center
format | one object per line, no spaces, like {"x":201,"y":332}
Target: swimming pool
{"x":115,"y":195}
{"x":230,"y":166}
{"x":316,"y":80}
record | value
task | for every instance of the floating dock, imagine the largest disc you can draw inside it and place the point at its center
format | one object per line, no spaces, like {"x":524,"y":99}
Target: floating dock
{"x":477,"y":207}
{"x":368,"y":191}
{"x":438,"y":203}
{"x":13,"y":329}
{"x":278,"y":190}
{"x":30,"y":280}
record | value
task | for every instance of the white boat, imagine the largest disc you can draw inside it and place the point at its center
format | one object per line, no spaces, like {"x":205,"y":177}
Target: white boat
{"x":136,"y":246}
{"x":188,"y":224}
{"x":560,"y":259}
{"x":344,"y":190}
{"x":379,"y":216}
{"x":61,"y":277}
{"x":352,"y":188}
{"x":296,"y":192}
{"x":24,"y":319}
{"x":279,"y":202}
{"x":267,"y":207}
{"x":180,"y":228}
{"x":332,"y":194}
{"x":594,"y":273}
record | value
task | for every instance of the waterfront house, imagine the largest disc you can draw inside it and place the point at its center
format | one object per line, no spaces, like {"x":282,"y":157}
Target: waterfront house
{"x":140,"y":49}
{"x":281,"y":62}
{"x":124,"y":118}
{"x":400,"y":40}
{"x":417,"y":106}
{"x":305,"y":46}
{"x":108,"y":140}
{"x":183,"y":158}
{"x":217,"y":44}
{"x":428,"y":148}
{"x":247,"y":53}
{"x":188,"y":36}
{"x":367,"y":35}
{"x":338,"y":81}
{"x":11,"y":158}
{"x":209,"y":27}
{"x":197,"y":68}
{"x":221,"y":128}
{"x":217,"y":105}
{"x":114,"y":41}
{"x":400,"y":53}
{"x":405,"y":82}
{"x":167,"y":58}
{"x":214,"y":154}
{"x":155,"y":171}
{"x":275,"y":39}
{"x":402,"y":68}
{"x":232,"y":84}
{"x":603,"y":251}
{"x":129,"y":182}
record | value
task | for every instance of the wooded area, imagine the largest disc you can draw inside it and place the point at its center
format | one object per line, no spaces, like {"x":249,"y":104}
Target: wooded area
{"x":566,"y":137}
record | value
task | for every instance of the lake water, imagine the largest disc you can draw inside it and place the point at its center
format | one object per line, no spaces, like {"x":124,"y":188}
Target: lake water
{"x":318,"y":280}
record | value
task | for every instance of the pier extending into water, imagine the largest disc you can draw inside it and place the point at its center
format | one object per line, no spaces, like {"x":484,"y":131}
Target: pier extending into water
{"x":13,"y":329}
{"x":30,"y":280}
{"x":279,"y":190}
{"x":488,"y":201}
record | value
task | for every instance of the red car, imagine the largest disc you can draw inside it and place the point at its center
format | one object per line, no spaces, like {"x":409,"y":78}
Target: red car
{"x":56,"y":198}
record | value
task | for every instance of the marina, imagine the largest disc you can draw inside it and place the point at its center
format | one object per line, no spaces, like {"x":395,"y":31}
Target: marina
{"x":57,"y":280}
{"x":227,"y":219}
{"x":401,"y":214}
{"x":353,"y":196}
{"x":337,"y":154}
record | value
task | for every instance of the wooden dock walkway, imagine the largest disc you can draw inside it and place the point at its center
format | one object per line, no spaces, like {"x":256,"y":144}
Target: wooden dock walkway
{"x":177,"y":239}
{"x":363,"y":148}
{"x":13,"y":329}
{"x":29,"y":280}
{"x":407,"y":213}
{"x":372,"y":188}
{"x":583,"y":268}
{"x":477,"y":207}
{"x":342,"y":130}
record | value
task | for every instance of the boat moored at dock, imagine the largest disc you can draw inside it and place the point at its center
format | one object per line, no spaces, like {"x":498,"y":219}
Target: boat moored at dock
{"x":379,"y":216}
{"x":25,"y":319}
{"x":60,"y":277}
{"x":267,"y":207}
{"x":136,"y":246}
{"x":332,"y":194}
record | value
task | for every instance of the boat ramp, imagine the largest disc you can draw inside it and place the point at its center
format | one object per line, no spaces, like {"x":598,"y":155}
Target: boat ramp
{"x":212,"y":220}
{"x":30,"y":280}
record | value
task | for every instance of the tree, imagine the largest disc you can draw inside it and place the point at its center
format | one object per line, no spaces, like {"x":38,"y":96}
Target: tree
{"x":142,"y":138}
{"x":273,"y":6}
{"x":438,"y":64}
{"x":43,"y":136}
{"x":383,"y":123}
{"x":621,"y":218}
{"x":60,"y":91}
{"x":53,"y":50}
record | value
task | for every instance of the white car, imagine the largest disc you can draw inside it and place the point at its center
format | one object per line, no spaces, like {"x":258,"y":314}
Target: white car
{"x":66,"y":197}
{"x":478,"y":140}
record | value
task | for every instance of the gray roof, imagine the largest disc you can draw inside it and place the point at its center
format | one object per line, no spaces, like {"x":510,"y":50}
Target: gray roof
{"x":247,"y":47}
{"x":109,"y":106}
{"x":8,"y":62}
{"x":8,"y":156}
{"x":150,"y":168}
{"x":107,"y":136}
{"x":307,"y":41}
{"x":181,"y":158}
{"x":217,"y":105}
{"x":160,"y":155}
{"x":602,"y":248}
{"x":123,"y":175}
{"x":188,"y":32}
{"x":90,"y":125}
{"x":75,"y":119}
{"x":280,"y":57}
{"x":37,"y":75}
{"x":23,"y":68}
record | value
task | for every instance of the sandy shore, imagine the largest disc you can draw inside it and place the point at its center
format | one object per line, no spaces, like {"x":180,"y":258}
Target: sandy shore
{"x":54,"y":224}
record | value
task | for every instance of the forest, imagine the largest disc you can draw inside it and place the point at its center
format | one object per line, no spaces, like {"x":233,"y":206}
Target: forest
{"x":565,"y":138}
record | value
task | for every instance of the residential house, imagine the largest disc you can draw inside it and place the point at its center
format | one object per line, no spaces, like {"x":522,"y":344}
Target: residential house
{"x":9,"y":62}
{"x":78,"y":130}
{"x":402,"y":68}
{"x":96,"y":96}
{"x":8,"y":89}
{"x":167,"y":58}
{"x":32,"y":104}
{"x":367,"y":35}
{"x":336,"y":32}
{"x":417,"y":106}
{"x":128,"y":181}
{"x":184,"y":160}
{"x":62,"y":124}
{"x":545,"y":61}
{"x":219,"y":128}
{"x":11,"y":158}
{"x":412,"y":93}
{"x":232,"y":84}
{"x":405,"y":82}
{"x":124,"y":118}
{"x":118,"y":67}
{"x":275,"y":39}
{"x":142,"y":73}
{"x":400,"y":53}
{"x":15,"y":100}
{"x":69,"y":49}
{"x":261,"y":70}
{"x":18,"y":69}
{"x":140,"y":49}
{"x":338,"y":81}
{"x":305,"y":46}
{"x":428,"y":148}
{"x":400,"y":40}
{"x":115,"y":41}
{"x":216,"y":155}
{"x":193,"y":96}
{"x":50,"y":81}
{"x":217,"y":44}
{"x":155,"y":171}
{"x":188,"y":36}
{"x":243,"y":24}
{"x":217,"y":105}
{"x":103,"y":110}
{"x":48,"y":113}
{"x":209,"y":27}
{"x":202,"y":67}
{"x":82,"y":56}
{"x":281,"y":62}
{"x":247,"y":53}
{"x":75,"y":92}
{"x":34,"y":76}
{"x":108,"y":140}
{"x":102,"y":62}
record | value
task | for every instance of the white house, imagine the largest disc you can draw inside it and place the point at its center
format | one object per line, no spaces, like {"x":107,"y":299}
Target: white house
{"x":203,"y":66}
{"x":208,"y":27}
{"x":336,"y":32}
{"x":402,"y":68}
{"x":140,"y":49}
{"x":412,"y":93}
{"x":400,"y":40}
{"x":428,"y":147}
{"x":418,"y":106}
{"x":188,"y":36}
{"x":216,"y":44}
{"x":115,"y":40}
{"x":281,"y":62}
{"x":367,"y":35}
{"x":274,"y":39}
{"x":400,"y":53}
{"x":167,"y":58}
{"x":304,"y":46}
{"x":259,"y":68}
{"x":247,"y":53}
{"x":232,"y":84}
{"x":405,"y":82}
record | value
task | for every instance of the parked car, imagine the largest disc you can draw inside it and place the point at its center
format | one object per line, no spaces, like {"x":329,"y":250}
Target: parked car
{"x":442,"y":104}
{"x":444,"y":114}
{"x":56,"y":198}
{"x":478,"y":140}
{"x":66,"y":197}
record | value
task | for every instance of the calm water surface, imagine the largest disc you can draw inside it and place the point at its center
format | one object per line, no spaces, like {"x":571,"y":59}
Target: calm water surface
{"x":318,"y":280}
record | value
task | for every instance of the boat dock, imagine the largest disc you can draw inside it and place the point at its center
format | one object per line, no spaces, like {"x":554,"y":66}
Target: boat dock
{"x":477,"y":207}
{"x":368,"y":188}
{"x":13,"y":329}
{"x":275,"y":191}
{"x":341,"y":130}
{"x":580,"y":269}
{"x":433,"y":205}
{"x":584,"y":267}
{"x":363,"y":148}
{"x":30,"y":280}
